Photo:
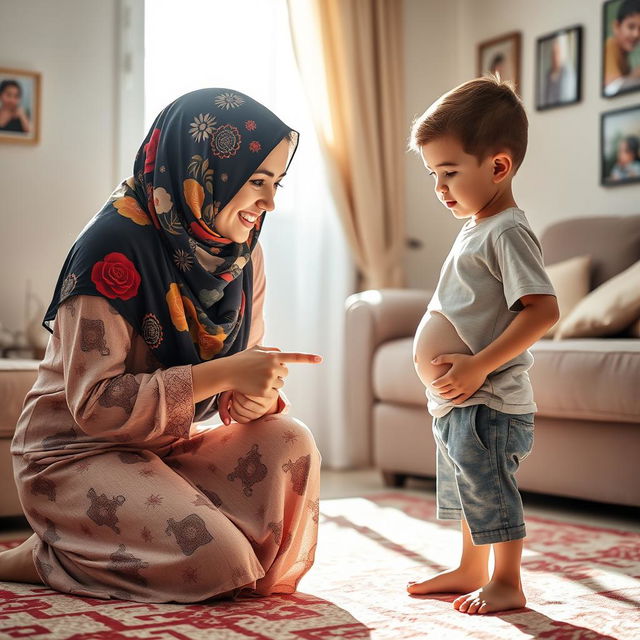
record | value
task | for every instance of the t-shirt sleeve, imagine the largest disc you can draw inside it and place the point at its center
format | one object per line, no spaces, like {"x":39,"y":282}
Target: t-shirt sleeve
{"x":517,"y":263}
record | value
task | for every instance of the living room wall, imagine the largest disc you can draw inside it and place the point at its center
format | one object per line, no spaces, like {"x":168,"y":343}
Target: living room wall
{"x":560,"y":176}
{"x":50,"y":190}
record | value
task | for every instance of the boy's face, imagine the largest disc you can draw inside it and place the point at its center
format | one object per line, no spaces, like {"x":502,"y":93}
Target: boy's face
{"x":463,"y":185}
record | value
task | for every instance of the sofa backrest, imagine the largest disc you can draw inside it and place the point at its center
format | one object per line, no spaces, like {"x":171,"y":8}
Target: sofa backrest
{"x":613,"y":242}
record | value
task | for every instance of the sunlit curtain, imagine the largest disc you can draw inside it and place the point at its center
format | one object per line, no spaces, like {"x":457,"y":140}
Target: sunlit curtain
{"x":350,"y":56}
{"x":246,"y":45}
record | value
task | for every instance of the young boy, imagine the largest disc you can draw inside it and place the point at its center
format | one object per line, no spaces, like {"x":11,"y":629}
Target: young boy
{"x":493,"y":300}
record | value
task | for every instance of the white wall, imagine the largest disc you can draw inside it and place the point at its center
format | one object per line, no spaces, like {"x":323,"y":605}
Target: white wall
{"x":560,"y":176}
{"x":49,"y":191}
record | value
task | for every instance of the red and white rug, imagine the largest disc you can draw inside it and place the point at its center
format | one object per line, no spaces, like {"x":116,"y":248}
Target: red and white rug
{"x":582,"y":582}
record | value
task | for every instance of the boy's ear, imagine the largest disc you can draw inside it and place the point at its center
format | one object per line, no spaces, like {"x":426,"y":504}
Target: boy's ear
{"x":502,"y":166}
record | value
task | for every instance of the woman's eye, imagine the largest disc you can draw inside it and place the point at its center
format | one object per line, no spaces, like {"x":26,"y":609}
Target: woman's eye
{"x":279,"y":185}
{"x":258,"y":182}
{"x":449,"y":174}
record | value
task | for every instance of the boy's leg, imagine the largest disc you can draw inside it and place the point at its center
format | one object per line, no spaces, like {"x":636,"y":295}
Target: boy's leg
{"x":504,"y":591}
{"x":492,"y":503}
{"x":472,"y":571}
{"x":470,"y":574}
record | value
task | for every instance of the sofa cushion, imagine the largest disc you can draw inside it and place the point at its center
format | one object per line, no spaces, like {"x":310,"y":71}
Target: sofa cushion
{"x":394,"y":378}
{"x":16,"y":379}
{"x":590,"y":379}
{"x":608,"y":309}
{"x":613,"y":242}
{"x":570,"y":279}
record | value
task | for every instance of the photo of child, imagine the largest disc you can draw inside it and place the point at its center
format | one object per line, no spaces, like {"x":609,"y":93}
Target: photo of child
{"x":621,"y":47}
{"x":19,"y":104}
{"x":620,"y":144}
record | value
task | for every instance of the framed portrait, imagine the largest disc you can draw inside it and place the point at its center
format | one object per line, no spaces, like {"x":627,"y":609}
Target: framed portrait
{"x":620,"y":47}
{"x":19,"y":106}
{"x":559,"y":68}
{"x":620,"y":146}
{"x":501,"y":56}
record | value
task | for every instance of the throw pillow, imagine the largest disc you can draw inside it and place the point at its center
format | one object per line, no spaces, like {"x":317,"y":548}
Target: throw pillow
{"x":608,"y":309}
{"x":570,"y":280}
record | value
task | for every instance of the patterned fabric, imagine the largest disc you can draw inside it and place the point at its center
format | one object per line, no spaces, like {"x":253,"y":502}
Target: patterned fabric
{"x":175,"y":523}
{"x":153,"y":251}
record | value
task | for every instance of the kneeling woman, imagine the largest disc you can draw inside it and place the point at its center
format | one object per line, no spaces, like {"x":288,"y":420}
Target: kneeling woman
{"x":156,"y":321}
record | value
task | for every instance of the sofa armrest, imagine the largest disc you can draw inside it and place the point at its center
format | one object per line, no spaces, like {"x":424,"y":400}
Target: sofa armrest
{"x":372,"y":318}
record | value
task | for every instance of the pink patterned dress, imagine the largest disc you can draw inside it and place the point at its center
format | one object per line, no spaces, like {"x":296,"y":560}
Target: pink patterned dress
{"x":130,"y":499}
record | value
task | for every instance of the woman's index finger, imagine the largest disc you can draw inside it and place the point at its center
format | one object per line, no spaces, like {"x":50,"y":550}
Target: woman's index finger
{"x":300,"y":358}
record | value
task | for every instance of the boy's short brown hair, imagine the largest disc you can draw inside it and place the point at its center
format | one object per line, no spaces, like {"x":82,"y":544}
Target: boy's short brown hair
{"x":485,"y":114}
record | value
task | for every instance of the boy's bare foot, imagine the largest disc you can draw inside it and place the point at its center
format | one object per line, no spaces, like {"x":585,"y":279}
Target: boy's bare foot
{"x":16,"y":565}
{"x":494,"y":596}
{"x":459,"y":580}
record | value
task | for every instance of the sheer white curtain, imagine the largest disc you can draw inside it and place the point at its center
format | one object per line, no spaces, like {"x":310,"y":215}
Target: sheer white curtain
{"x":246,"y":45}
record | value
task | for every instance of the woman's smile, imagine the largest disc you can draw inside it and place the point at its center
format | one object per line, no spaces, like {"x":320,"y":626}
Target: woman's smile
{"x":248,"y":219}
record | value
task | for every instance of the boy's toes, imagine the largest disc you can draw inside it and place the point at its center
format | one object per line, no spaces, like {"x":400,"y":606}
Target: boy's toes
{"x":474,"y":606}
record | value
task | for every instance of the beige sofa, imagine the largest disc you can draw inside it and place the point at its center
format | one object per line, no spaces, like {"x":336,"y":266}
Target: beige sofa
{"x":16,"y":378}
{"x":587,"y":440}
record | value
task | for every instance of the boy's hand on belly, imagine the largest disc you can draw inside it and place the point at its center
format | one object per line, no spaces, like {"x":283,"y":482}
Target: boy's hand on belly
{"x":462,"y":380}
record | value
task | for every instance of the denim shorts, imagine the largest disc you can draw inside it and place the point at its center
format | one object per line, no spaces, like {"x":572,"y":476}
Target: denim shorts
{"x":479,"y":451}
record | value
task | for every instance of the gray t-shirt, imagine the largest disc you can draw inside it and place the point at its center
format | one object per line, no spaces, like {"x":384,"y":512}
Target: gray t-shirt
{"x":493,"y":262}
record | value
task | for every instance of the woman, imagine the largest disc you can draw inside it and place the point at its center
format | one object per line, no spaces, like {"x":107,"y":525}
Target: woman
{"x":155,"y":320}
{"x":12,"y":115}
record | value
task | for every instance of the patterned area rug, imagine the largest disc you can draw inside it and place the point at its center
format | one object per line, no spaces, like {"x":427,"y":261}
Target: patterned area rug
{"x":582,"y":583}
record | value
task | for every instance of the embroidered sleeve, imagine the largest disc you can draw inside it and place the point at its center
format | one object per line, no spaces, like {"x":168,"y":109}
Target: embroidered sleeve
{"x":104,"y":398}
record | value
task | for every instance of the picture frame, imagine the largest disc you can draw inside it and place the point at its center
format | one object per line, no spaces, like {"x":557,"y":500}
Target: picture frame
{"x":620,"y":146}
{"x":19,"y":106}
{"x":501,"y":56}
{"x":559,"y":68}
{"x":620,"y":47}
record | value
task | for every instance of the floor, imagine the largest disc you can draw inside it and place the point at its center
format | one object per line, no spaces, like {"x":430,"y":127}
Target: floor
{"x":345,"y":484}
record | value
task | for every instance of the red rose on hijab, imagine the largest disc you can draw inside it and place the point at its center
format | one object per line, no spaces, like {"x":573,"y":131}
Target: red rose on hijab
{"x":116,"y":277}
{"x":150,"y":150}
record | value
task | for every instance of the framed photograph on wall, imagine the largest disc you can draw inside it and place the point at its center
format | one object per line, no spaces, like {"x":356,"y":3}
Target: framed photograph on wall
{"x":19,"y":106}
{"x":620,"y":47}
{"x":501,"y":56}
{"x":620,"y":146}
{"x":559,"y":68}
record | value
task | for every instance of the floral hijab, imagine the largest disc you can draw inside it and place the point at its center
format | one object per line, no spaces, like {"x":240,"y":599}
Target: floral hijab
{"x":153,"y":250}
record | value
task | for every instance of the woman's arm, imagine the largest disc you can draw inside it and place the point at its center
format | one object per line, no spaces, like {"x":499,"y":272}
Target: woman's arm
{"x":243,"y":408}
{"x":105,"y":399}
{"x":210,"y":378}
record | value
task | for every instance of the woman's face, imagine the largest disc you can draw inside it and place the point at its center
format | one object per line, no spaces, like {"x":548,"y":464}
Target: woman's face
{"x":627,"y":32}
{"x":257,"y":194}
{"x":10,"y":98}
